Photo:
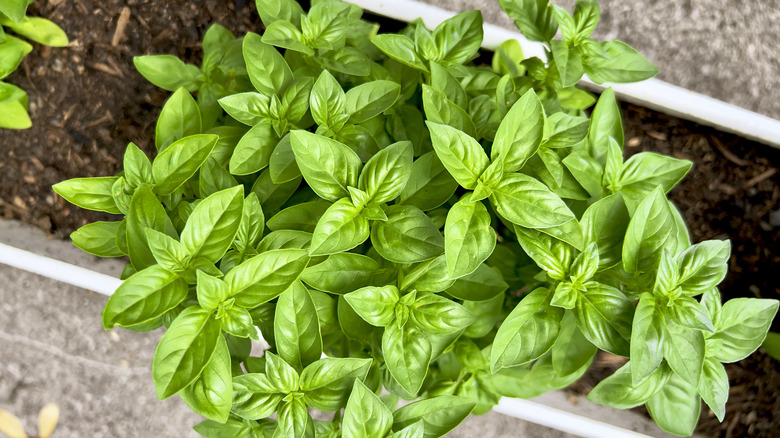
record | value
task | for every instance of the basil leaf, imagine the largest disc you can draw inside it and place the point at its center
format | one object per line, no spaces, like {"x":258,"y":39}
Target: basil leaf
{"x":604,"y":123}
{"x":644,"y":171}
{"x":213,"y":224}
{"x":341,"y":273}
{"x":407,"y":354}
{"x":483,"y":284}
{"x":616,"y":61}
{"x":365,"y":416}
{"x":647,"y":338}
{"x":458,"y":38}
{"x":605,"y":222}
{"x":430,"y":184}
{"x":651,"y":230}
{"x":468,"y":237}
{"x":439,"y":109}
{"x":534,"y":18}
{"x":168,"y":72}
{"x":385,"y":175}
{"x":714,"y":387}
{"x":275,"y":10}
{"x":256,"y":396}
{"x":210,"y":395}
{"x":297,"y":336}
{"x":145,"y":212}
{"x":400,"y":48}
{"x":89,"y":193}
{"x":463,"y":156}
{"x":253,"y":151}
{"x":741,"y":328}
{"x":676,"y":407}
{"x":552,"y":255}
{"x":684,"y":351}
{"x":376,"y":305}
{"x":250,"y":230}
{"x":295,"y":100}
{"x":328,"y":166}
{"x":213,"y":177}
{"x":438,"y":315}
{"x":703,"y":266}
{"x":439,"y":415}
{"x":688,"y":312}
{"x":249,"y":108}
{"x":571,"y":350}
{"x":370,"y":99}
{"x":415,"y":430}
{"x":282,"y":165}
{"x":273,"y":196}
{"x":341,"y":228}
{"x":301,"y":217}
{"x":144,"y":296}
{"x":284,"y":34}
{"x":184,"y":351}
{"x":98,"y":238}
{"x":267,"y":69}
{"x":567,"y":62}
{"x":211,"y":291}
{"x":294,"y":419}
{"x":265,"y":276}
{"x":179,"y":118}
{"x":326,"y":383}
{"x":284,"y":239}
{"x":528,"y":332}
{"x":407,"y":236}
{"x":520,"y":133}
{"x":604,"y":315}
{"x":179,"y":161}
{"x":620,"y":391}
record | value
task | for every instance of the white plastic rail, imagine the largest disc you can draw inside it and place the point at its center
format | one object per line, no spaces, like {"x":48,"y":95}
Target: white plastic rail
{"x":652,"y":93}
{"x":106,"y":285}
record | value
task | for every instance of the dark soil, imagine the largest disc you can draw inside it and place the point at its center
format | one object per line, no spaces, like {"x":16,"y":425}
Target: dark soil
{"x":87,"y":102}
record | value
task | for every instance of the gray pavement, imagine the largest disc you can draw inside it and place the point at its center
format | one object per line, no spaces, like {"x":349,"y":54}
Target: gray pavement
{"x":53,"y":349}
{"x":726,"y":49}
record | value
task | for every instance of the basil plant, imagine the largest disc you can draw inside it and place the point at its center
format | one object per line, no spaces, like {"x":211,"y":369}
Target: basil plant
{"x":13,"y":100}
{"x":390,"y":221}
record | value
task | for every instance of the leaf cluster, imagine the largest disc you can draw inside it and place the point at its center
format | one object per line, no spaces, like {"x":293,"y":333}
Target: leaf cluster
{"x":393,"y":219}
{"x":15,"y":24}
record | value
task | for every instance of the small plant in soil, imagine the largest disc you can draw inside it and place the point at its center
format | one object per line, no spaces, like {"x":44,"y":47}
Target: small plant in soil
{"x":15,"y":24}
{"x":397,"y":222}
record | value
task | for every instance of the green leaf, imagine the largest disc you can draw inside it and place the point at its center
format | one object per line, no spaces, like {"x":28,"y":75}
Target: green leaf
{"x":168,"y":72}
{"x":179,"y":161}
{"x":463,"y":156}
{"x":528,"y":332}
{"x":284,"y":239}
{"x":571,"y":350}
{"x":326,"y":25}
{"x":458,"y":38}
{"x":439,"y":109}
{"x":144,"y":212}
{"x":647,"y":338}
{"x":272,"y":196}
{"x":684,"y":351}
{"x":253,"y":151}
{"x":586,"y":17}
{"x":619,"y":390}
{"x":370,"y":99}
{"x":376,"y":305}
{"x":256,"y":395}
{"x":301,"y":217}
{"x":167,"y":251}
{"x":605,"y":222}
{"x":617,"y":62}
{"x":328,"y":166}
{"x":365,"y":416}
{"x":703,"y":266}
{"x":137,"y":167}
{"x":552,"y":255}
{"x":98,"y":238}
{"x":604,"y":123}
{"x":567,"y":62}
{"x":13,"y":106}
{"x":39,"y":30}
{"x":527,"y":202}
{"x":326,"y":383}
{"x":651,"y":230}
{"x":297,"y":335}
{"x":439,"y":415}
{"x":645,"y":171}
{"x":184,"y":351}
{"x":385,"y":175}
{"x":714,"y":387}
{"x":688,"y":312}
{"x":252,"y":224}
{"x":741,"y":328}
{"x":328,"y":102}
{"x":211,"y":291}
{"x":341,"y":228}
{"x":534,"y":18}
{"x":563,"y":130}
{"x":400,"y":48}
{"x":89,"y":193}
{"x":585,"y":265}
{"x":179,"y":118}
{"x":275,"y":10}
{"x":435,"y":314}
{"x":282,"y":165}
{"x":210,"y":395}
{"x":415,"y":430}
{"x":468,"y":237}
{"x":430,"y":184}
{"x":294,"y":420}
{"x":144,"y":296}
{"x":284,"y":34}
{"x":213,"y":224}
{"x":295,"y":100}
{"x":443,"y":81}
{"x":483,"y":284}
{"x":249,"y":108}
{"x":267,"y":69}
{"x":676,"y":407}
{"x":265,"y":276}
{"x":341,"y":273}
{"x":604,"y":315}
{"x":407,"y":236}
{"x":407,"y":354}
{"x":14,"y":9}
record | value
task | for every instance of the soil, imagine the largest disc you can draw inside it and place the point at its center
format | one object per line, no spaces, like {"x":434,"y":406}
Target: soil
{"x":87,"y":102}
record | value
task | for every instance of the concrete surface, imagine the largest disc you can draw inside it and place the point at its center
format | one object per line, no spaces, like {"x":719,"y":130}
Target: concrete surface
{"x":54,"y":349}
{"x":726,"y":49}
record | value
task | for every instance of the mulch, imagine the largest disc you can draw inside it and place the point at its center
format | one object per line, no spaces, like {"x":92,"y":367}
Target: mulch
{"x":87,"y":102}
